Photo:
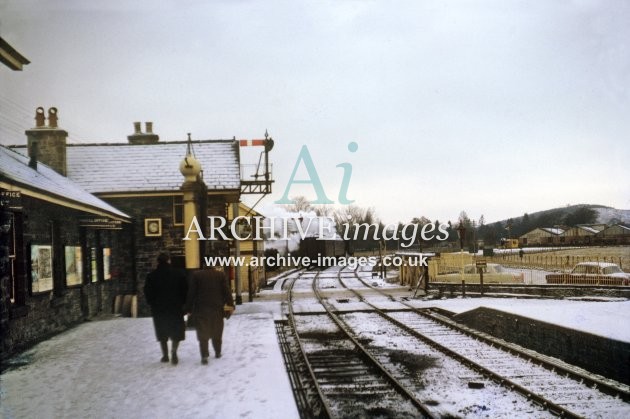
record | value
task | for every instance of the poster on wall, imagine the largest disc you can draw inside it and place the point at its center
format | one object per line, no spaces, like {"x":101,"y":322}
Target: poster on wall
{"x":93,"y":264}
{"x":41,"y":268}
{"x":107,"y":252}
{"x":74,"y":265}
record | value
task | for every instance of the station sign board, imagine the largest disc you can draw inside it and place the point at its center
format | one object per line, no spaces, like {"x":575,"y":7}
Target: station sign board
{"x":100,"y":223}
{"x":11,"y":200}
{"x":481,"y":263}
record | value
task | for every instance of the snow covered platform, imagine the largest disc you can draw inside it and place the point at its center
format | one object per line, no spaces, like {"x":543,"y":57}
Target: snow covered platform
{"x":602,"y":318}
{"x":111,"y":369}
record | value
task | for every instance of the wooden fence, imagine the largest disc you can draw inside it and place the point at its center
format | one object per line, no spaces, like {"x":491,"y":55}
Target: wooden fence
{"x":554,"y":262}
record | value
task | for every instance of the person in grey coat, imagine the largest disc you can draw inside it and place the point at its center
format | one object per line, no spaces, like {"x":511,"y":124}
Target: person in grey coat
{"x":208,"y":293}
{"x":165,"y":290}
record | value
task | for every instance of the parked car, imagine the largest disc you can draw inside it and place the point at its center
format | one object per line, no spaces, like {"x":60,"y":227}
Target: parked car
{"x":493,"y":273}
{"x":592,"y":273}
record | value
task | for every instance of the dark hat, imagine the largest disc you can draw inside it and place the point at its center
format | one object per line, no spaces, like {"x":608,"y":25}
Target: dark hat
{"x":163,"y":258}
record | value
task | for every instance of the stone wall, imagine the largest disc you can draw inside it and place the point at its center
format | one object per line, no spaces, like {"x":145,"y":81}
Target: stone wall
{"x":544,"y":291}
{"x":43,"y":314}
{"x":608,"y":357}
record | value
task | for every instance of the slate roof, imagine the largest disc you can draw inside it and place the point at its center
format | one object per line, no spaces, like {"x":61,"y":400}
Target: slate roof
{"x":14,"y":169}
{"x":556,"y":231}
{"x":615,"y":226}
{"x":123,"y":167}
{"x":588,"y":229}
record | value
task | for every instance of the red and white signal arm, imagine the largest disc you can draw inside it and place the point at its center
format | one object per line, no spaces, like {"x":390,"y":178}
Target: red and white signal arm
{"x":267,"y":143}
{"x":250,"y":143}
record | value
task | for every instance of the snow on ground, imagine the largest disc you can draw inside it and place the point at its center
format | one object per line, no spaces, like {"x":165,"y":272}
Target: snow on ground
{"x":597,"y":317}
{"x":111,"y":369}
{"x":603,"y":318}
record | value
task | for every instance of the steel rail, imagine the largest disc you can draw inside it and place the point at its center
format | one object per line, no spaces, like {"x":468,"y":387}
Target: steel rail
{"x":548,"y":404}
{"x":299,"y":390}
{"x":591,"y":381}
{"x":400,"y":388}
{"x":554,"y":408}
{"x":326,"y":408}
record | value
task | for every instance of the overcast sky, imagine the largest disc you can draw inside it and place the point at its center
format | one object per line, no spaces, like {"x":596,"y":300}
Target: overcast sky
{"x":493,"y":107}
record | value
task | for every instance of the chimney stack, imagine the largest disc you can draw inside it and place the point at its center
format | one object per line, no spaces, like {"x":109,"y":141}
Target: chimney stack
{"x":32,"y":152}
{"x":47,"y":144}
{"x":140,"y":138}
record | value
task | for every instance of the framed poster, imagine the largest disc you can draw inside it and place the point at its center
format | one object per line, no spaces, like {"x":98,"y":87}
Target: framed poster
{"x":74,"y":266}
{"x":93,"y":264}
{"x":107,"y":252}
{"x":41,"y":268}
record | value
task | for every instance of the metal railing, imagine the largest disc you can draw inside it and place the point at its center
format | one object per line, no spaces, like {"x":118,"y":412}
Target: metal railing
{"x":554,"y":262}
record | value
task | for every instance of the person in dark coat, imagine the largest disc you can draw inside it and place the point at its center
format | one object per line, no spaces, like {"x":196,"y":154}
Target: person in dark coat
{"x":165,"y":290}
{"x":208,"y":292}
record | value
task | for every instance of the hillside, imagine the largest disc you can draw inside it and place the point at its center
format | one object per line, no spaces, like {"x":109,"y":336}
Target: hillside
{"x":611,"y":215}
{"x":605,"y":215}
{"x":563,"y":216}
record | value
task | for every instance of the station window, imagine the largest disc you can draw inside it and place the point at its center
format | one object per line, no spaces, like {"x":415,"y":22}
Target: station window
{"x":178,"y":210}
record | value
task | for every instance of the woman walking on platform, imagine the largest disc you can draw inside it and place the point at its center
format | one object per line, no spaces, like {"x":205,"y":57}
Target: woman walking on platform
{"x":165,"y":290}
{"x":208,"y":293}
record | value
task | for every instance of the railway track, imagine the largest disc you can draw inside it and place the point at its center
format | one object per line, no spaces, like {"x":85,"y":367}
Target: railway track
{"x":355,"y":351}
{"x":337,"y":376}
{"x":561,"y":389}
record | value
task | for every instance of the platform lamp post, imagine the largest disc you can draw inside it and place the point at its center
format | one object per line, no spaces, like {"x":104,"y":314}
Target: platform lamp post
{"x":238,"y":291}
{"x":190,"y":169}
{"x":461,"y":233}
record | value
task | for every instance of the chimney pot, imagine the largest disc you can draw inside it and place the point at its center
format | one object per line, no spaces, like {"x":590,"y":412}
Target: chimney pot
{"x":137,"y":126}
{"x":149,"y":127}
{"x":52,"y":117}
{"x":40,"y":118}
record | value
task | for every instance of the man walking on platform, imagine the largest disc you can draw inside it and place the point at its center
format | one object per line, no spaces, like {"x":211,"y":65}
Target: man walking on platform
{"x":208,"y":293}
{"x":165,"y":290}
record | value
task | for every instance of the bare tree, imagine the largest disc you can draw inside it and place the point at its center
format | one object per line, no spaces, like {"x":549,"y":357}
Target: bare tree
{"x":300,"y":204}
{"x":349,"y":218}
{"x":324,"y":210}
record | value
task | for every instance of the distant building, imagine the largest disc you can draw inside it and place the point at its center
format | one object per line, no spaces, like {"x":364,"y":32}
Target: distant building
{"x":614,"y":234}
{"x":544,"y":236}
{"x":581,"y":234}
